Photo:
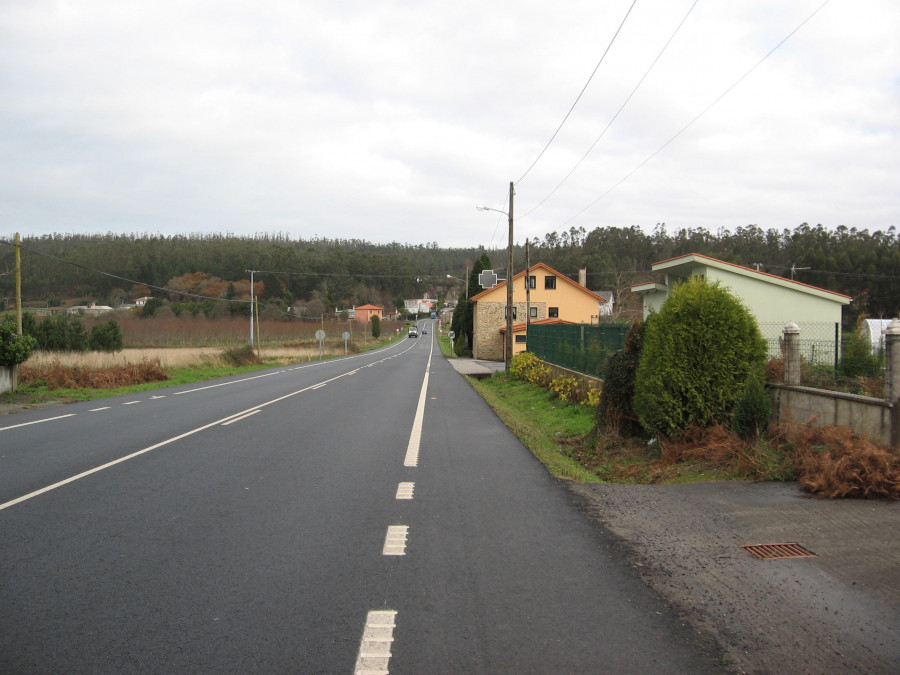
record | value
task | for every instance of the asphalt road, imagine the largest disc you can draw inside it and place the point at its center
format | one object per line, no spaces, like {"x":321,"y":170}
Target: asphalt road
{"x":361,"y":514}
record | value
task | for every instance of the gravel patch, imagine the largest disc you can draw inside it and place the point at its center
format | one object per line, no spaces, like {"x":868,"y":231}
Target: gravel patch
{"x":838,"y":612}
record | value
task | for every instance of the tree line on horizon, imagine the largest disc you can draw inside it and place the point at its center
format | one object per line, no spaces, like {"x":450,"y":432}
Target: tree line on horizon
{"x":342,"y":273}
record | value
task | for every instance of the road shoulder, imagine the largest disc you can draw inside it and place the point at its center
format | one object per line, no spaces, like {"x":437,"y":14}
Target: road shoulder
{"x":837,"y":612}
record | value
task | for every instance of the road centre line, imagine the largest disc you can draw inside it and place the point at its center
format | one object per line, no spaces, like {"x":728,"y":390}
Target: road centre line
{"x":25,"y":424}
{"x":256,"y":377}
{"x":405,"y":490}
{"x":415,"y":436}
{"x":212,"y":386}
{"x":395,"y":540}
{"x":242,"y":417}
{"x":106,"y":407}
{"x":89,"y":472}
{"x":375,"y":645}
{"x":224,"y":384}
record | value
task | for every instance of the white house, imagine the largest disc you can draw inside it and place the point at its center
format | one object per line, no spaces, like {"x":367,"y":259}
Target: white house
{"x":771,"y":299}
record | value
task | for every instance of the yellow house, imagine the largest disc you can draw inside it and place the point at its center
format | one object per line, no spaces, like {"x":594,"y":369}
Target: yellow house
{"x":554,"y":298}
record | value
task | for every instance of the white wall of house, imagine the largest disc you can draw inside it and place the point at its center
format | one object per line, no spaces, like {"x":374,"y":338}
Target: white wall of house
{"x":769,"y":298}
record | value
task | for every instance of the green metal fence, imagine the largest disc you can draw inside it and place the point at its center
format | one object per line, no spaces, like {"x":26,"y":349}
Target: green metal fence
{"x":820,"y":343}
{"x":577,"y":347}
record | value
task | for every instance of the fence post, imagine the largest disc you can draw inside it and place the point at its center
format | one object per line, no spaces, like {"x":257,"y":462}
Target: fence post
{"x":837,"y":346}
{"x":892,"y":361}
{"x":791,"y":334}
{"x":892,"y":377}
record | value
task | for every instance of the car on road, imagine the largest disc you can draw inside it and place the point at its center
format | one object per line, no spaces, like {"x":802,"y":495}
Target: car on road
{"x":413,"y":332}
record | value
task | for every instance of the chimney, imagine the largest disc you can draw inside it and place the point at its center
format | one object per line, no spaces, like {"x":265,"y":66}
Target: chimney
{"x":582,"y":276}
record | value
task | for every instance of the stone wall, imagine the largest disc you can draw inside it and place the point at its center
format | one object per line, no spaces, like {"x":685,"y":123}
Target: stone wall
{"x":489,"y":319}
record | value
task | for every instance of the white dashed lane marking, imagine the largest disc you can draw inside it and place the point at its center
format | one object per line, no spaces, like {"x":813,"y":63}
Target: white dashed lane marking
{"x":375,"y":646}
{"x":395,"y":540}
{"x":405,"y":490}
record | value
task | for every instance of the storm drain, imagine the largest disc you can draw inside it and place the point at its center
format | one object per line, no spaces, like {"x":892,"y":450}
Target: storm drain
{"x":777,"y":551}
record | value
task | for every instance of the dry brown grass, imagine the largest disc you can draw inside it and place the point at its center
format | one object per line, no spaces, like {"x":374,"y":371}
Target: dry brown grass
{"x":175,"y":357}
{"x":835,"y":462}
{"x":101,"y":370}
{"x":713,"y":445}
{"x":188,"y":331}
{"x":57,"y":376}
{"x":827,"y":461}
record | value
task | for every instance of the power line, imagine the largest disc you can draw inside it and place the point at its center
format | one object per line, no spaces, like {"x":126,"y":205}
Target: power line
{"x":608,"y":47}
{"x":618,"y":112}
{"x":701,"y":114}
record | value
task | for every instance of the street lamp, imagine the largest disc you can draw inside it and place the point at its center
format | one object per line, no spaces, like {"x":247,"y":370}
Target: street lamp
{"x":465,"y":281}
{"x":509,"y":275}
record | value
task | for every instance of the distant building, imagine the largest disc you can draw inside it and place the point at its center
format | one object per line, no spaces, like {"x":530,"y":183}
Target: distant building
{"x":89,"y":310}
{"x":554,"y":298}
{"x":364,"y":313}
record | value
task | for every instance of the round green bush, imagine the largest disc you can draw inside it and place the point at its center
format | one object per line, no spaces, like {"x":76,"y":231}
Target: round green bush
{"x":698,"y":353}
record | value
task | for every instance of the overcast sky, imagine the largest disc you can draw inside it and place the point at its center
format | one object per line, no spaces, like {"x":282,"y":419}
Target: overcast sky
{"x":391,"y":121}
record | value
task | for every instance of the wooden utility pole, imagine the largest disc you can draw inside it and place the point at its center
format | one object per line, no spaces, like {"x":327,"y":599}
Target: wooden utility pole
{"x":252,"y":303}
{"x":509,"y":282}
{"x":527,"y":286}
{"x":18,"y":287}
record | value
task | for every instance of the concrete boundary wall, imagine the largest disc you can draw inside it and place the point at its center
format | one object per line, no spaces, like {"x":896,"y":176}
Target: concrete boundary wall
{"x":586,"y":380}
{"x":877,"y":419}
{"x":874,"y":418}
{"x":7,"y":378}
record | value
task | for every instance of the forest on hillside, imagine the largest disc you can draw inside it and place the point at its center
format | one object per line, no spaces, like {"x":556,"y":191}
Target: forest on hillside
{"x":337,"y":273}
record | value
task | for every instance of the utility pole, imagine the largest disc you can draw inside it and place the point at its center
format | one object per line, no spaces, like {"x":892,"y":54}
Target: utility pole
{"x":18,"y":287}
{"x":527,"y":286}
{"x":509,"y":282}
{"x":252,"y":296}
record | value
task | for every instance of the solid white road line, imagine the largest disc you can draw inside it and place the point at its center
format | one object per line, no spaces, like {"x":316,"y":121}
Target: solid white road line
{"x":242,"y":417}
{"x":415,"y":437}
{"x":25,"y":424}
{"x":84,"y":474}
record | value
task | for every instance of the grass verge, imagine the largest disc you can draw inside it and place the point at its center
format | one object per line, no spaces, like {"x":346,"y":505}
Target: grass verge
{"x":562,"y":436}
{"x":829,"y":462}
{"x":531,"y":413}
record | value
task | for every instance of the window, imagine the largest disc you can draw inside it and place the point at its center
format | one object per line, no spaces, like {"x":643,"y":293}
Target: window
{"x":506,"y":313}
{"x":531,"y":282}
{"x":534,"y":312}
{"x":553,"y":312}
{"x":520,"y":339}
{"x":549,"y":283}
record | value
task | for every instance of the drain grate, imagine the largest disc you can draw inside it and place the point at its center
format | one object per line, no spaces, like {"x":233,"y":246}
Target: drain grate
{"x":778,"y":551}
